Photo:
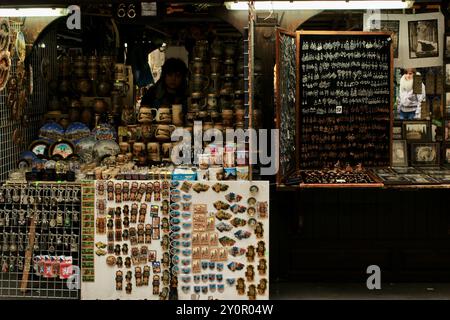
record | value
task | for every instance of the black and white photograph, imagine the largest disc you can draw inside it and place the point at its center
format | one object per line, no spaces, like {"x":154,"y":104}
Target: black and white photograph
{"x":447,"y":45}
{"x":423,"y":39}
{"x":394,"y":27}
{"x":425,"y":154}
{"x":399,"y":153}
{"x":418,"y":131}
{"x":397,"y":132}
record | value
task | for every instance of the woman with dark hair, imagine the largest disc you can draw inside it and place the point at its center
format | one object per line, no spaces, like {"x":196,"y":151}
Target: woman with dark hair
{"x":170,"y":88}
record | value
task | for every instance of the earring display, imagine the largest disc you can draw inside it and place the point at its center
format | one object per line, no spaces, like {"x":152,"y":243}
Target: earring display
{"x":286,"y":86}
{"x":345,"y":99}
{"x":49,"y":248}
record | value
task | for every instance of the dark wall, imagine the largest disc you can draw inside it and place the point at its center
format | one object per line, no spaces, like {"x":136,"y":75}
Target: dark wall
{"x":334,"y":235}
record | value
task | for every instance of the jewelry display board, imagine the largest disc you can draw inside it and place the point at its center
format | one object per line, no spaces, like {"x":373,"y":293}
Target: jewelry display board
{"x":131,"y":241}
{"x":223,"y":232}
{"x":39,"y":248}
{"x":286,"y":82}
{"x":344,"y":98}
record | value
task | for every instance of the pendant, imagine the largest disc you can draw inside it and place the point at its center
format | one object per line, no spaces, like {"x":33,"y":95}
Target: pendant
{"x":67,"y":220}
{"x":59,"y":219}
{"x":52,"y":220}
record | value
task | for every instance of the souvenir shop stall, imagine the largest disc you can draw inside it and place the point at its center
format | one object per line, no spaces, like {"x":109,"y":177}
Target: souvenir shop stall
{"x":367,"y":155}
{"x":91,"y":205}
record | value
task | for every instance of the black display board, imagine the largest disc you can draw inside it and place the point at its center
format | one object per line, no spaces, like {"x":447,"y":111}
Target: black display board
{"x":344,"y":98}
{"x":286,"y":84}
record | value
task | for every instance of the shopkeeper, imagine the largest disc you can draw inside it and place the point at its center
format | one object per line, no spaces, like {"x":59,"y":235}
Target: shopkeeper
{"x":409,"y":103}
{"x":170,"y":88}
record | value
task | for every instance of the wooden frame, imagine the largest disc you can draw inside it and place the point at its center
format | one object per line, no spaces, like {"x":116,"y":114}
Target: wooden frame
{"x":426,"y":138}
{"x":279,"y":176}
{"x":425,"y":163}
{"x":446,"y":155}
{"x":348,"y":33}
{"x":402,"y":144}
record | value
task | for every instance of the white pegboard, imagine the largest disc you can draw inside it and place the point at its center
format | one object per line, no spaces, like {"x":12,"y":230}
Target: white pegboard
{"x":208,"y":198}
{"x":104,"y":285}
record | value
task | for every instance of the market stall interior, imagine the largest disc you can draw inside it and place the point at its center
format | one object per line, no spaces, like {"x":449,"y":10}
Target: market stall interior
{"x":90,"y":181}
{"x":95,"y":189}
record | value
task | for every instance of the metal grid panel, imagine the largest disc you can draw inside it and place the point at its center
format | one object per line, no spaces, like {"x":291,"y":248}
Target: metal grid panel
{"x":37,"y":103}
{"x":38,"y":287}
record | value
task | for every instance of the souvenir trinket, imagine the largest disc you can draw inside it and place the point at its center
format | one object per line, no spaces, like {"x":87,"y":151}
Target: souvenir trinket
{"x":119,"y":280}
{"x":241,"y":234}
{"x":146,"y":275}
{"x":250,"y":254}
{"x":259,"y":230}
{"x":222,"y":215}
{"x":222,"y":226}
{"x":262,"y":286}
{"x":237,"y":222}
{"x":236,"y":251}
{"x":226,"y":241}
{"x":200,"y":187}
{"x":219,"y":205}
{"x":262,"y":267}
{"x":251,"y":292}
{"x":240,"y":286}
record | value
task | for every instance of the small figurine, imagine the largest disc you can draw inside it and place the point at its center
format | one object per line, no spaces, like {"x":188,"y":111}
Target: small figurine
{"x":138,"y":276}
{"x":250,"y":254}
{"x":119,"y":280}
{"x":240,"y":286}
{"x":128,"y":288}
{"x":259,"y":230}
{"x":155,"y":284}
{"x":119,"y":262}
{"x":166,"y":259}
{"x":117,"y":250}
{"x":262,"y":286}
{"x":164,"y":294}
{"x":146,"y":275}
{"x":125,"y":191}
{"x":261,"y":249}
{"x":262,"y":267}
{"x":148,"y":233}
{"x":141,"y":233}
{"x":124,"y":248}
{"x":128,"y":276}
{"x":251,"y":292}
{"x":166,"y":277}
{"x":128,"y":262}
{"x":250,"y":273}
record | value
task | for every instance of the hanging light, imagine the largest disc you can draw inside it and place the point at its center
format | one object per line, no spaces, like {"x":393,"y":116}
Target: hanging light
{"x":33,"y":12}
{"x":321,"y":5}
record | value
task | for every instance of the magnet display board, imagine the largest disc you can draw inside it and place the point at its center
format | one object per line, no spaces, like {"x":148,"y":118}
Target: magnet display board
{"x":152,"y":243}
{"x":223,"y":251}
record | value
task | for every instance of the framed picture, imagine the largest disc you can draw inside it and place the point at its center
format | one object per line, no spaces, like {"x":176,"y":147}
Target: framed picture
{"x":397,"y":131}
{"x":425,"y":154}
{"x":423,"y":39}
{"x":394,"y":27}
{"x":399,"y":153}
{"x":446,"y":155}
{"x":447,"y":75}
{"x":416,"y":131}
{"x":419,"y":178}
{"x":447,"y":45}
